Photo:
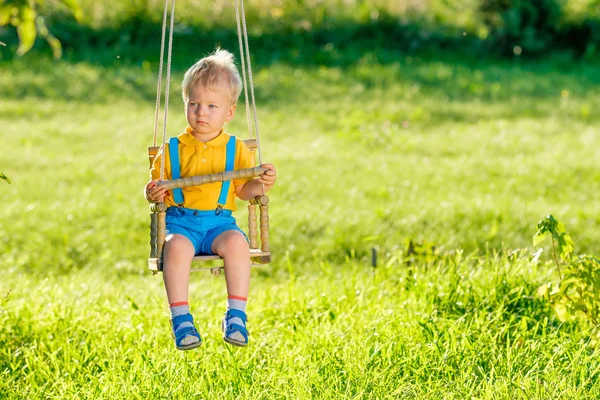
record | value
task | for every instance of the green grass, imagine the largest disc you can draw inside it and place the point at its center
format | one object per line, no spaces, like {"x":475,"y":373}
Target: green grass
{"x":462,"y":328}
{"x":465,"y":154}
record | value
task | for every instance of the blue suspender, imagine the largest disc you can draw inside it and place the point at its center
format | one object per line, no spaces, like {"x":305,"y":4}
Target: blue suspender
{"x":175,"y":174}
{"x":229,"y":164}
{"x":175,"y":171}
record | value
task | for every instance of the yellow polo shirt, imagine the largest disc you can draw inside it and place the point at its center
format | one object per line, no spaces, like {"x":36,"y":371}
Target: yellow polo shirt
{"x":202,"y":158}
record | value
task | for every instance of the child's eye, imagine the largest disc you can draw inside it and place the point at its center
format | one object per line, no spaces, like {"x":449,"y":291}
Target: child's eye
{"x":192,"y":104}
{"x":212,"y":106}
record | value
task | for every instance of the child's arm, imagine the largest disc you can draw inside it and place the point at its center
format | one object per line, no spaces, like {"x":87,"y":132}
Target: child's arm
{"x":254,"y":188}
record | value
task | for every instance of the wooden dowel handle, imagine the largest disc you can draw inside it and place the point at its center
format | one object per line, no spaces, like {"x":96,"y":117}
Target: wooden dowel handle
{"x":219,"y":177}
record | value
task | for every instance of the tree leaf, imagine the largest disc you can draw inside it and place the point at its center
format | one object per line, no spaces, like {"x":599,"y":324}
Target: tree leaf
{"x":55,"y":46}
{"x":562,"y":312}
{"x":52,"y":41}
{"x":6,"y":12}
{"x":566,"y":246}
{"x":73,"y":5}
{"x":26,"y":29}
{"x":539,"y":238}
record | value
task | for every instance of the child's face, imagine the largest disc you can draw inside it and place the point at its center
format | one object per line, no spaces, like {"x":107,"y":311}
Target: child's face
{"x":208,"y":110}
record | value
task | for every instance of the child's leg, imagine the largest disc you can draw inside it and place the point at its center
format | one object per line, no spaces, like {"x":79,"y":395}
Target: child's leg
{"x":232,"y":246}
{"x":177,"y":258}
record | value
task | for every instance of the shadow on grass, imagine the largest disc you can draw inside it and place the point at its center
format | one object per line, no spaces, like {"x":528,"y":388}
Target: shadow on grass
{"x":383,"y":57}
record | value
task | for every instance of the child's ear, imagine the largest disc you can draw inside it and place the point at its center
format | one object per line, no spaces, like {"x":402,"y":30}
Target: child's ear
{"x":231,"y":112}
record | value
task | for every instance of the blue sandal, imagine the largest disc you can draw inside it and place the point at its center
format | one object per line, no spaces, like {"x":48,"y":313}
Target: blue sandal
{"x":235,"y":334}
{"x":186,"y":338}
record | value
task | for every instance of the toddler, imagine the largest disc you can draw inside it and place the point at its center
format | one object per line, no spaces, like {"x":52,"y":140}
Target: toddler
{"x":199,"y":219}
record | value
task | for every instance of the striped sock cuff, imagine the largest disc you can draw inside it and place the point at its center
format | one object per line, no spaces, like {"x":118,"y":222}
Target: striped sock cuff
{"x":236,"y":303}
{"x":179,"y":308}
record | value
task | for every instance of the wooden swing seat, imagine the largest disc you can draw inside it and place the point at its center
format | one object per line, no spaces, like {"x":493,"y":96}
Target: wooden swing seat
{"x":258,"y":255}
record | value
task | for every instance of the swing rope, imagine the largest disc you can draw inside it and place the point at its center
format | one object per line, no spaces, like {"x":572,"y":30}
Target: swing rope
{"x":250,"y":102}
{"x":239,"y":4}
{"x":247,"y":77}
{"x":239,"y":34}
{"x":160,"y":73}
{"x":167,"y":86}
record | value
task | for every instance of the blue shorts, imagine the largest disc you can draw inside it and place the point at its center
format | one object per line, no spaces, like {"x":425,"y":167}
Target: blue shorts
{"x":200,"y":227}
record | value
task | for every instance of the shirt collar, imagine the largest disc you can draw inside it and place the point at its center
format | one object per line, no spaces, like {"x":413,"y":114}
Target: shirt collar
{"x":189,"y":140}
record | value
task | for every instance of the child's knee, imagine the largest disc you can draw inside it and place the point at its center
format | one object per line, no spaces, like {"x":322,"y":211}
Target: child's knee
{"x":231,"y":241}
{"x":179,"y":244}
{"x":236,"y":242}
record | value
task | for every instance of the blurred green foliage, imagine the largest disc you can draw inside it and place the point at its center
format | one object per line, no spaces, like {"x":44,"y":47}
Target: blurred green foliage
{"x":535,"y":26}
{"x":497,"y":27}
{"x":24,"y":16}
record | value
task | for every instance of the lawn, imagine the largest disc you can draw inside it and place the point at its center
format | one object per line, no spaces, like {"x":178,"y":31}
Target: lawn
{"x":460,"y":154}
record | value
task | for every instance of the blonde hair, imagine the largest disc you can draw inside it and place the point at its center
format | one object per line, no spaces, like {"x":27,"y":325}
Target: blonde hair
{"x":212,"y":71}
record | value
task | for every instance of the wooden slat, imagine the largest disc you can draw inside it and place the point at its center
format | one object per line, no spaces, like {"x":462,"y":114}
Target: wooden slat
{"x":255,"y":255}
{"x":152,"y":152}
{"x":153,"y":265}
{"x":252,"y":226}
{"x":251,"y":144}
{"x":264,"y":228}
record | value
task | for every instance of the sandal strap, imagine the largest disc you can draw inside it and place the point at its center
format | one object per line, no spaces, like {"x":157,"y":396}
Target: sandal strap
{"x":178,"y":320}
{"x":233,"y":313}
{"x":237,"y":328}
{"x":183,"y":332}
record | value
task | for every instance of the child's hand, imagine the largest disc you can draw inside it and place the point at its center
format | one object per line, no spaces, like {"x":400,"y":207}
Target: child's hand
{"x":155,"y":193}
{"x":268,"y":177}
